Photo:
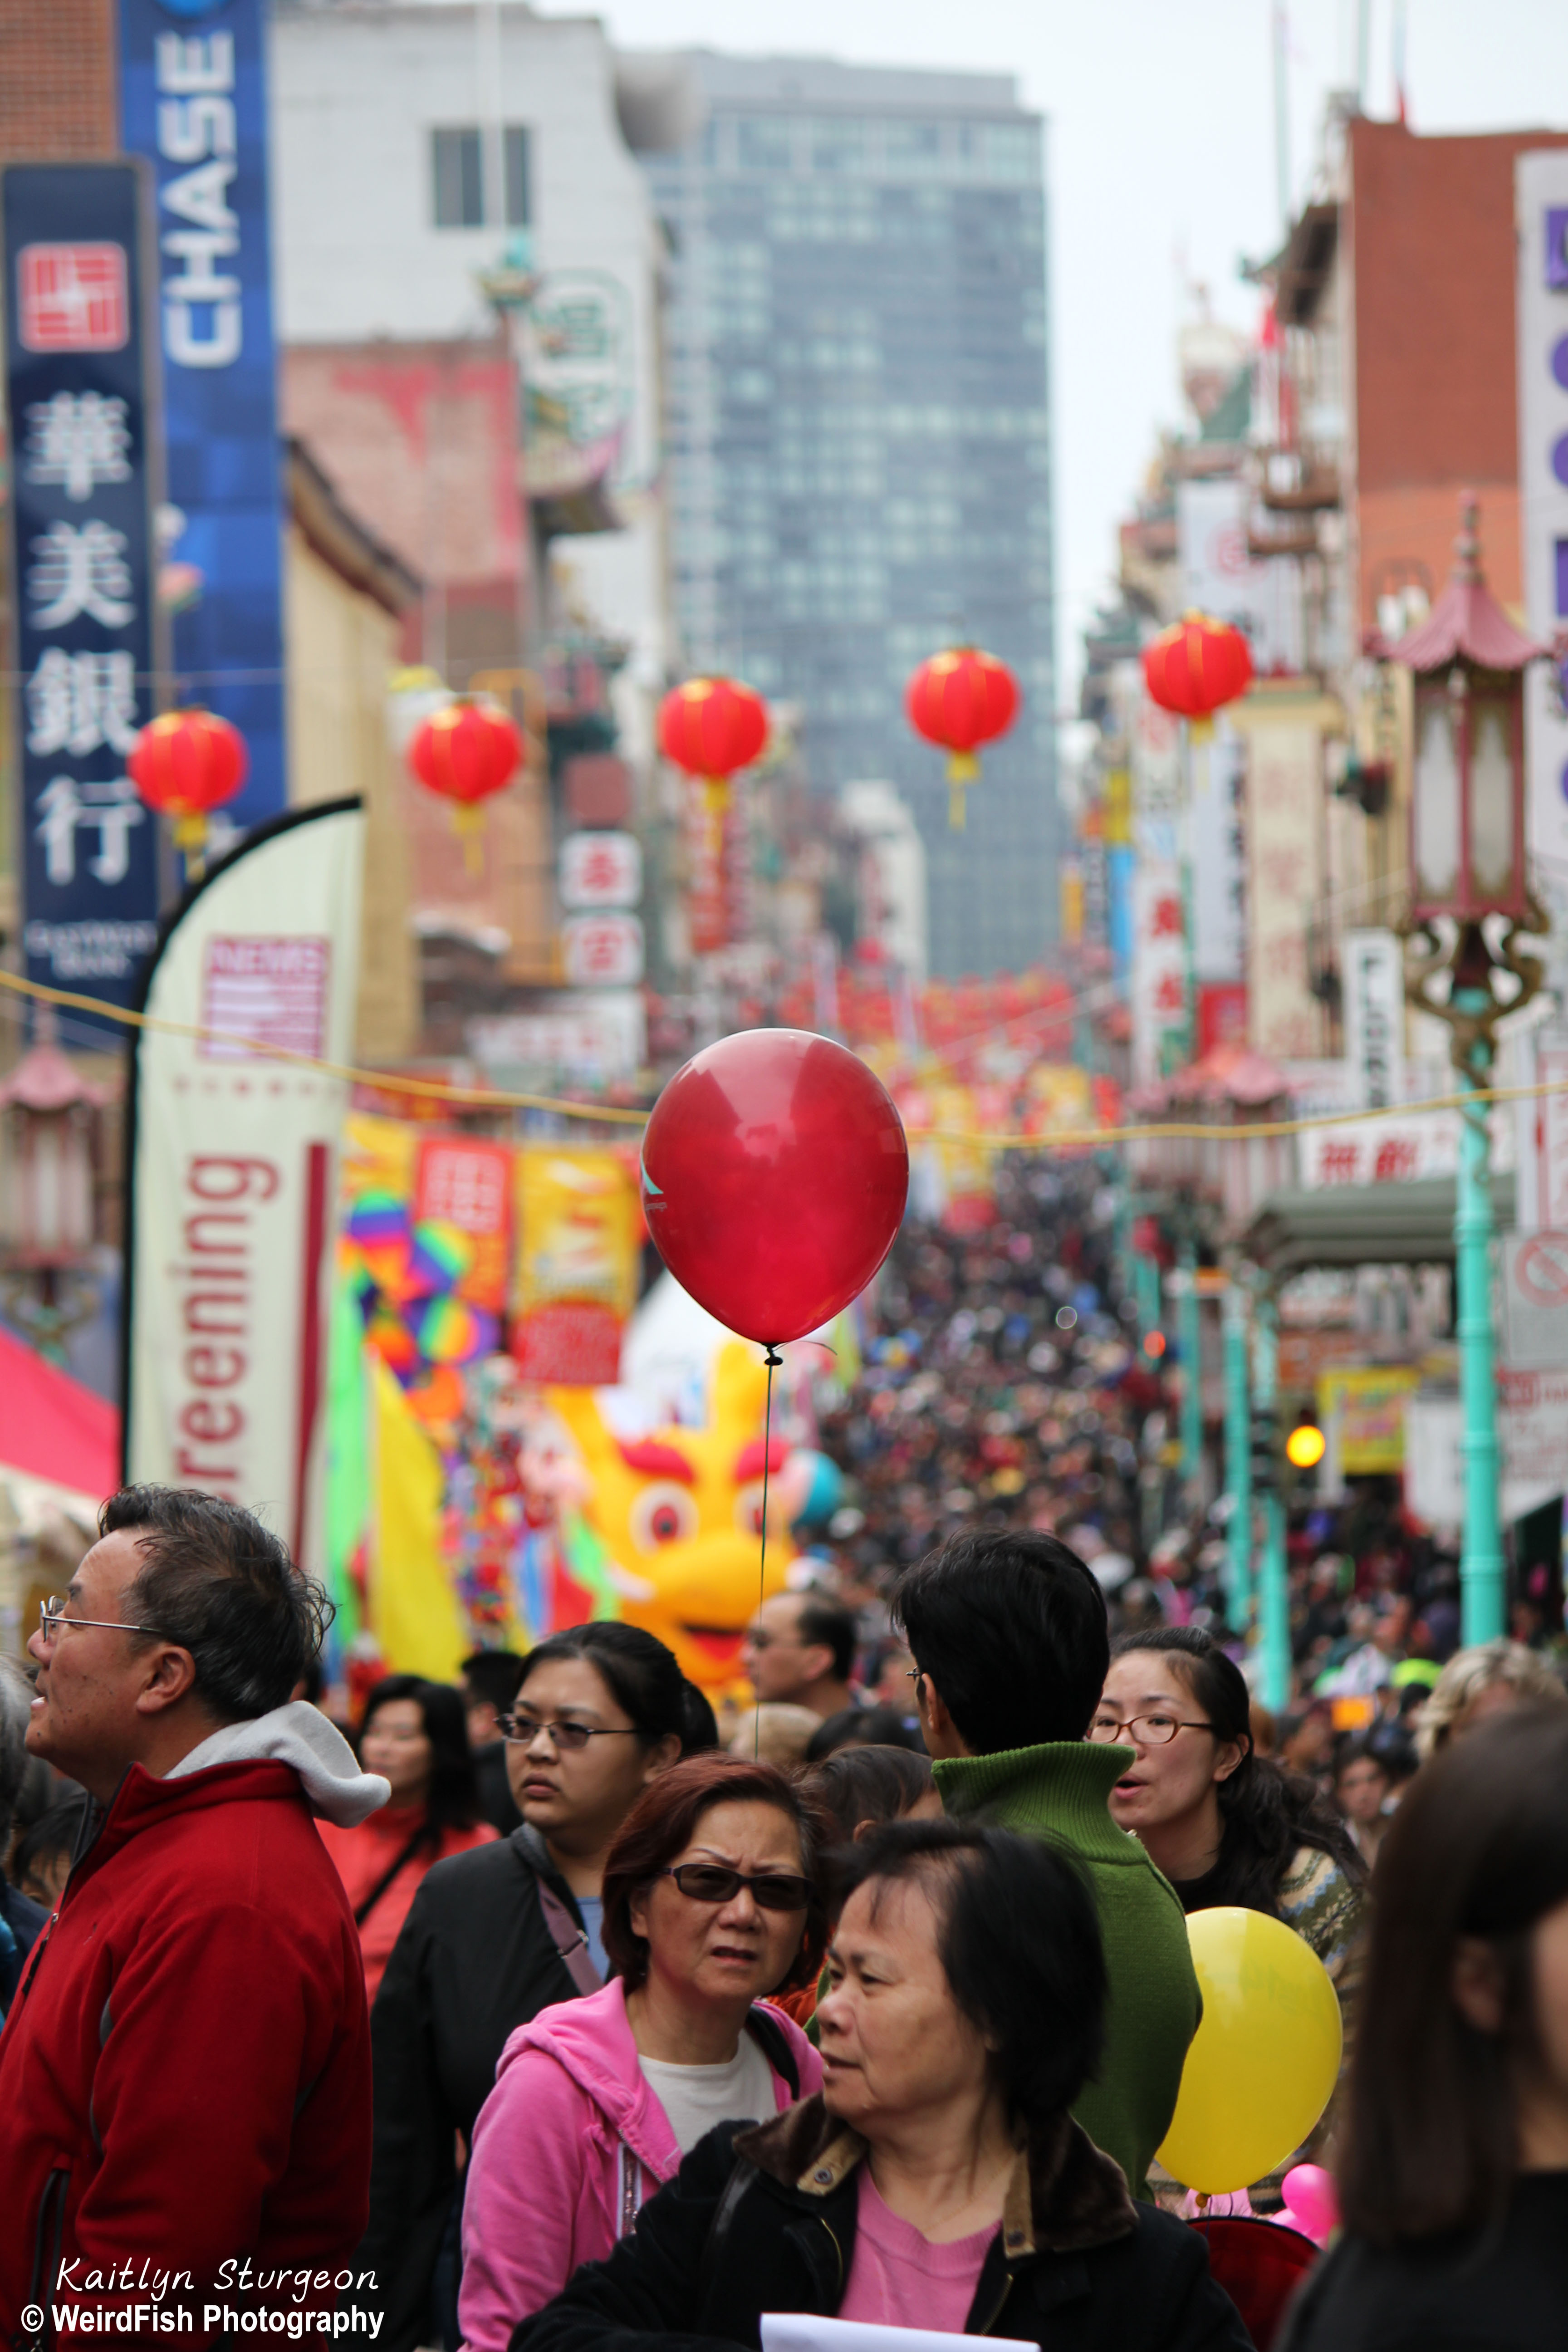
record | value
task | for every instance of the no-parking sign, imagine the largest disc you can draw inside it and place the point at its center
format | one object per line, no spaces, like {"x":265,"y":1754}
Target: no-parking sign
{"x":1535,"y":1301}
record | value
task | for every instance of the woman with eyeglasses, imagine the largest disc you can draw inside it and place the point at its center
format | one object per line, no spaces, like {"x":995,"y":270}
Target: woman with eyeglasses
{"x":710,"y":1903}
{"x":496,"y":1935}
{"x":1225,"y":1826}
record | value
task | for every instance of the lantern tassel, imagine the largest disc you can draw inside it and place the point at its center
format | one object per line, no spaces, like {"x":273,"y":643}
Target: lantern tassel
{"x":963,"y":769}
{"x":469,"y":821}
{"x":190,"y":830}
{"x":716,"y":794}
{"x":1201,"y":729}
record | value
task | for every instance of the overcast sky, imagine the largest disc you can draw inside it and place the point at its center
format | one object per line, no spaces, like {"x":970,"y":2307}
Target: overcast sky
{"x":1160,"y":167}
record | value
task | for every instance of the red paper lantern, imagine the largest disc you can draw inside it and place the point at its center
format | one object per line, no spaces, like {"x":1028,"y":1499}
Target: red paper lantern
{"x":958,"y":699}
{"x":464,"y":752}
{"x":713,"y":727}
{"x":1196,"y":667}
{"x":184,"y":763}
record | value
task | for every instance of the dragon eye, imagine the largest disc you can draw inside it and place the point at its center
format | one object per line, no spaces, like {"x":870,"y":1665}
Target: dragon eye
{"x":748,"y":1506}
{"x":663,"y":1513}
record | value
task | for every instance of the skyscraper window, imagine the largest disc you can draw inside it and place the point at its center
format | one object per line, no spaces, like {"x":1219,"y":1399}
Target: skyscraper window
{"x":881,"y":485}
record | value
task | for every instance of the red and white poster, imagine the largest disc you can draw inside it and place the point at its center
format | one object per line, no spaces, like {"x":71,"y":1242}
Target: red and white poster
{"x":234,"y":1137}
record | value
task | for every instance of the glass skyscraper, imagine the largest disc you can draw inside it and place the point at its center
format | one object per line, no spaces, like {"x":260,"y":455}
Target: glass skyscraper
{"x":859,"y":439}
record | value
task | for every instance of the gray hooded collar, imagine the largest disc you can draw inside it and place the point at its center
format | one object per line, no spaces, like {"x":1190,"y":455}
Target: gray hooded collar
{"x":300,"y":1735}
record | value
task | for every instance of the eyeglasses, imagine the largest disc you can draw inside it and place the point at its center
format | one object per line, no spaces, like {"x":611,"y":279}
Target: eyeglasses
{"x":708,"y":1882}
{"x":53,"y":1622}
{"x":1147,"y":1731}
{"x":521,"y":1729}
{"x":773,"y":1641}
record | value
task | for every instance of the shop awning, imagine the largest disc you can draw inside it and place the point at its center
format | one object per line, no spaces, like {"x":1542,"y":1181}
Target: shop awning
{"x":1363,"y":1224}
{"x":54,"y":1430}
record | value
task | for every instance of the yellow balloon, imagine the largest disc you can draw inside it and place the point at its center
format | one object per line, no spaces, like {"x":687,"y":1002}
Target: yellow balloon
{"x":1264,"y":2061}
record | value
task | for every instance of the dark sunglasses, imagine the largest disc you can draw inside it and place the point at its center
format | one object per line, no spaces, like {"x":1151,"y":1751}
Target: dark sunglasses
{"x":708,"y":1882}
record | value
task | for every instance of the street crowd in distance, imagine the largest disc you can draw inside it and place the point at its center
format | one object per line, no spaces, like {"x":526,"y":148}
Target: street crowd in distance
{"x":528,"y":2016}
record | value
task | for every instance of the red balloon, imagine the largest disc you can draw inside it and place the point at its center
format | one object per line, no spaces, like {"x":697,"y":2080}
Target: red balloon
{"x":774,"y":1171}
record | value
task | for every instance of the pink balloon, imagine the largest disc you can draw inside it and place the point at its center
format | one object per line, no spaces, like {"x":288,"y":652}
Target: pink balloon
{"x":1312,"y":2201}
{"x":774,"y":1172}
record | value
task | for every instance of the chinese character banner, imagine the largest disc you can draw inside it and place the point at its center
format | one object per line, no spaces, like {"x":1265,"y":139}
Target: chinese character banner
{"x":83,"y":480}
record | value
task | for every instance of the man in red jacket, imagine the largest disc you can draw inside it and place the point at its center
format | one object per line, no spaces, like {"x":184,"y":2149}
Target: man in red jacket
{"x":184,"y":2070}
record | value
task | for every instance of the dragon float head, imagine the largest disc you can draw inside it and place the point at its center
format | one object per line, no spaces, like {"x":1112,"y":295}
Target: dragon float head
{"x":679,"y":1515}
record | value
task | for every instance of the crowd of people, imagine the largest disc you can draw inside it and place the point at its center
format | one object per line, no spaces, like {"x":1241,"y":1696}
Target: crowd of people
{"x":534,"y":2013}
{"x":894,"y":2036}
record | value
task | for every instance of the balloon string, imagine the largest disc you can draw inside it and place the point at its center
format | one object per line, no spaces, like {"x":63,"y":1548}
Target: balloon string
{"x":772,"y":1358}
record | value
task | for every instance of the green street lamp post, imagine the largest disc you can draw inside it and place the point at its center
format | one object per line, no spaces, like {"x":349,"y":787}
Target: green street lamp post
{"x":1237,"y":1459}
{"x":1470,"y":913}
{"x":1189,"y":1326}
{"x":1273,"y":1587}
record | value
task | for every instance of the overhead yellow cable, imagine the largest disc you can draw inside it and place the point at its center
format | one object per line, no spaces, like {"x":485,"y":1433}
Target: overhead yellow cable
{"x":388,"y":1081}
{"x":496,"y":1099}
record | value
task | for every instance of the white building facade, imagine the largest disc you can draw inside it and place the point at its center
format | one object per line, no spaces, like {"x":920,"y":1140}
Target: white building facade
{"x":421,"y":145}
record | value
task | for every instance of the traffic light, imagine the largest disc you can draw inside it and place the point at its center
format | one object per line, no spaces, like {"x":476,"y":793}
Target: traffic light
{"x":1305,"y":1446}
{"x":1263,"y":1449}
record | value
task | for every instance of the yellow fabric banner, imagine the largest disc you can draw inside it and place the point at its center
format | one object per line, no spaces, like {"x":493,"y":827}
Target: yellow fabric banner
{"x":414,"y":1612}
{"x":579,"y":1228}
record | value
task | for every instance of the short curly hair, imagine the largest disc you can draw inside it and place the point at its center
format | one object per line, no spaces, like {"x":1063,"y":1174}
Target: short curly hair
{"x":1469,"y":1673}
{"x":222,"y":1586}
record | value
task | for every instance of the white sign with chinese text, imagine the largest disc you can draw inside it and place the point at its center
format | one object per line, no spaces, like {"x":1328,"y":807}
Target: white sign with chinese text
{"x":1391,"y":1151}
{"x":1541,"y":1129}
{"x":1219,"y":866}
{"x":601,"y":869}
{"x":1159,"y":967}
{"x":602,"y":951}
{"x":1372,"y":968}
{"x":1541,"y":213}
{"x":1284,"y":827}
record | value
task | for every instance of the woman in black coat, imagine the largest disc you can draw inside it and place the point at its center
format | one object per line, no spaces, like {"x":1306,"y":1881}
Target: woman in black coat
{"x":495,"y":1935}
{"x":938,"y":2179}
{"x":1454,"y":2176}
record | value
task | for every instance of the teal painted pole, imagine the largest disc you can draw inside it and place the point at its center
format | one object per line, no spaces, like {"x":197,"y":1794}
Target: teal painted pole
{"x":1146,"y":1275}
{"x":1190,"y":1331}
{"x":1237,"y":1460}
{"x":1482,"y":1570}
{"x":1273,"y":1592}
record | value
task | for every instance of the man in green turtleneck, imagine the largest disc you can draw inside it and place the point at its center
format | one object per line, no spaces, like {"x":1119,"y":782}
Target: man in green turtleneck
{"x":1007,"y":1630}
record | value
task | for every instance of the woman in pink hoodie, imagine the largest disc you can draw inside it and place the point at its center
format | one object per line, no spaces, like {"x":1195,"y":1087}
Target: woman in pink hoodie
{"x":710,"y":1903}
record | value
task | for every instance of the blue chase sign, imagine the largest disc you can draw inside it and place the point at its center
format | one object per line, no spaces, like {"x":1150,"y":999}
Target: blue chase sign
{"x":193,"y":99}
{"x":84,"y":467}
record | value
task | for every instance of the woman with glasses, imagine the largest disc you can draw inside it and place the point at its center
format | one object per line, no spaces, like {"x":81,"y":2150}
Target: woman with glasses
{"x":414,"y":1736}
{"x":496,"y":1935}
{"x":710,"y":1905}
{"x":1225,"y":1826}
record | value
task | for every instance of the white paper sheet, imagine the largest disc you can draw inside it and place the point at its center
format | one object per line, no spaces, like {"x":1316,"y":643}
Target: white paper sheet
{"x":803,"y":2331}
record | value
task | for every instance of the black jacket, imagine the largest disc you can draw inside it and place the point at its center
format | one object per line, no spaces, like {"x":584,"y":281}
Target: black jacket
{"x":761,"y":2218}
{"x":475,"y":1960}
{"x":1507,"y":2292}
{"x":497,"y":1804}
